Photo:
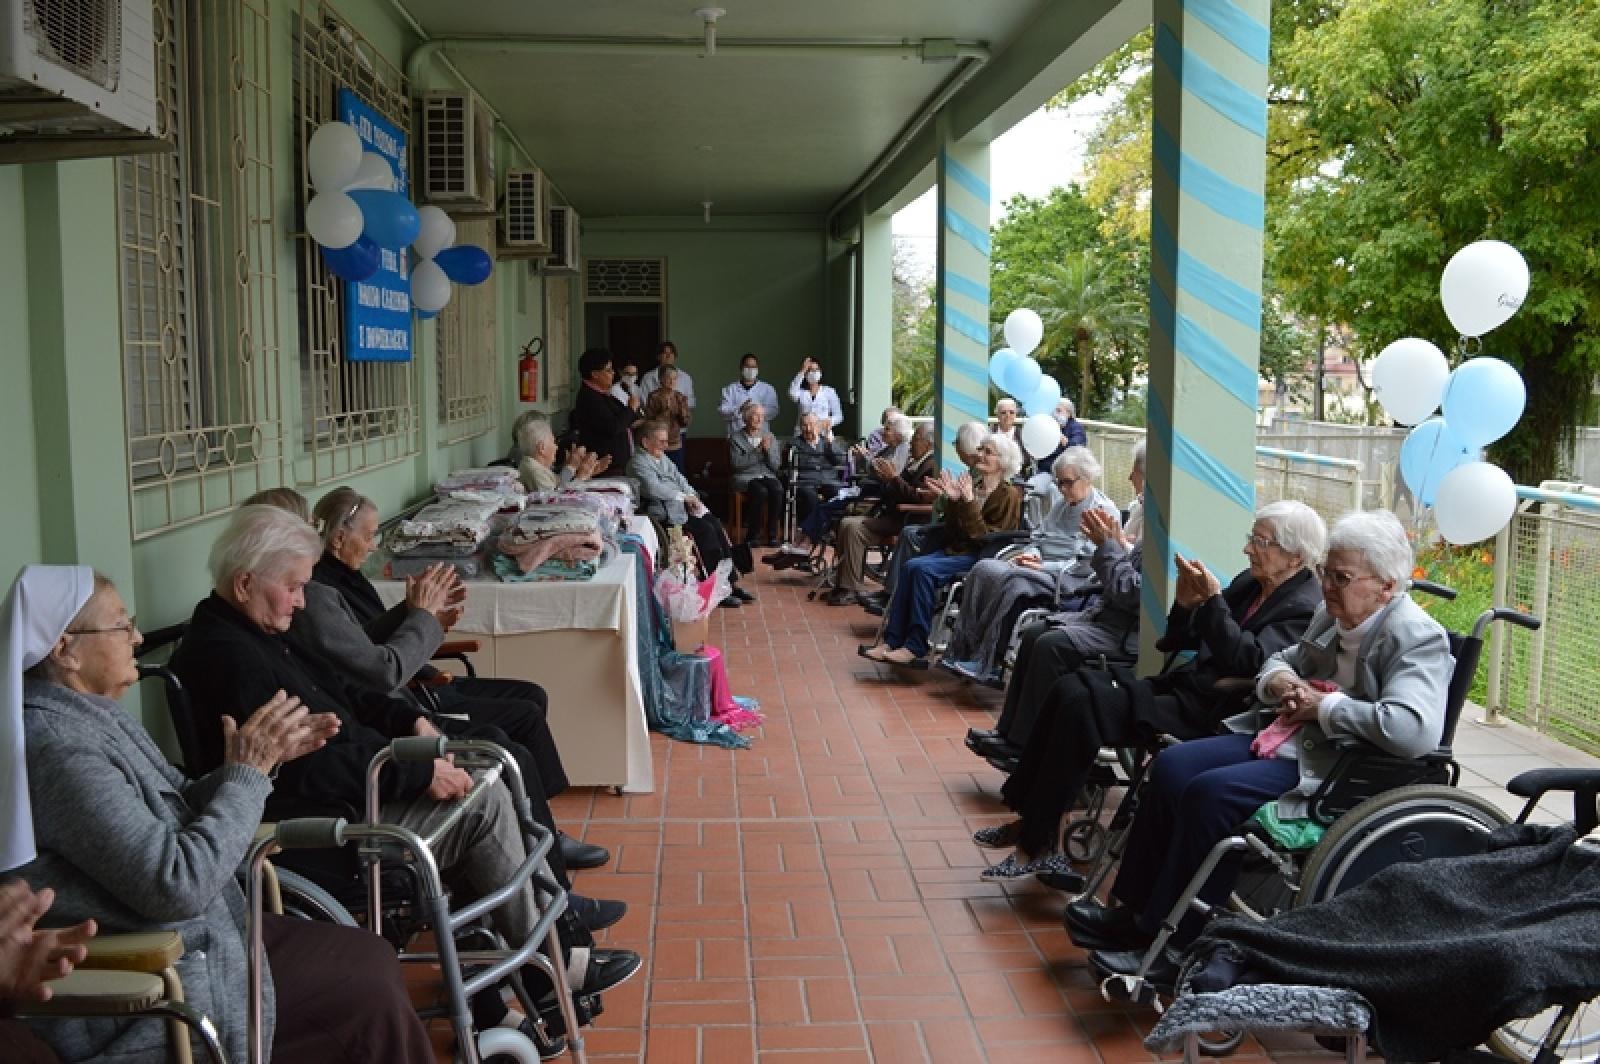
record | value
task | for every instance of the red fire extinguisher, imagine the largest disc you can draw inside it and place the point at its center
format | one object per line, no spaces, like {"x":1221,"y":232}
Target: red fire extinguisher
{"x":528,"y":371}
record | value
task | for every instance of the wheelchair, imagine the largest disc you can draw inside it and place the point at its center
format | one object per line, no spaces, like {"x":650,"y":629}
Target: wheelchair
{"x":1376,"y":809}
{"x":355,"y":871}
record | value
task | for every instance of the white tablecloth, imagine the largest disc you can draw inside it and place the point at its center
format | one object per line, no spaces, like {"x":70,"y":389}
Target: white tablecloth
{"x":588,"y":708}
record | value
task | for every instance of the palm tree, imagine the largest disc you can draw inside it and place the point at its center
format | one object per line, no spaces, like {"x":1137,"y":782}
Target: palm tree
{"x":1082,"y":301}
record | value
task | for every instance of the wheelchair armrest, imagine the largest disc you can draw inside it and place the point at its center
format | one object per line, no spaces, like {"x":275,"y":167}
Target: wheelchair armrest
{"x":451,"y":648}
{"x":90,"y":992}
{"x":1584,"y":783}
{"x":140,"y":951}
{"x":1232,"y":685}
{"x":915,"y":509}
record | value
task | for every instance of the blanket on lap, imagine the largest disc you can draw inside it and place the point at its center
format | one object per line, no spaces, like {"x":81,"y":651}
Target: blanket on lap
{"x":1447,"y":950}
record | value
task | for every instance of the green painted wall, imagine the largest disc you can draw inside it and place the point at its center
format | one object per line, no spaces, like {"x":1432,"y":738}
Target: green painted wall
{"x":733,"y":286}
{"x":19,"y":482}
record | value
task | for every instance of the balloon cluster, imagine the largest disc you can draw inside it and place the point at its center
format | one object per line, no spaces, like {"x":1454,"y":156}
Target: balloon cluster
{"x":1015,"y":371}
{"x":1482,"y":399}
{"x":357,"y":214}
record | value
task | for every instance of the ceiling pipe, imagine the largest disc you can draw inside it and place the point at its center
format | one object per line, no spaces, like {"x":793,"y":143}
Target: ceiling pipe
{"x":930,"y":50}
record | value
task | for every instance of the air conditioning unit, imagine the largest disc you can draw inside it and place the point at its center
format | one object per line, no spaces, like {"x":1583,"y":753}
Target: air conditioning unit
{"x":77,"y":80}
{"x":563,"y":241}
{"x":457,"y":152}
{"x":524,"y":215}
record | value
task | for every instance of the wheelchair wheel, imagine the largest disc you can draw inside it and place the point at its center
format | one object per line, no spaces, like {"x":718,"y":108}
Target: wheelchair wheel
{"x":1084,"y":840}
{"x":304,"y":900}
{"x":1520,"y":1040}
{"x":1405,"y":824}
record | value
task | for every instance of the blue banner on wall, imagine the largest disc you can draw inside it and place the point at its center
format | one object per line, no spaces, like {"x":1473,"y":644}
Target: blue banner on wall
{"x":377,"y":312}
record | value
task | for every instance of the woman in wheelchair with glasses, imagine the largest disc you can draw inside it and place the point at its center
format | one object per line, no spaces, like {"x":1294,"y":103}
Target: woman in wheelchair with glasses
{"x":976,"y":504}
{"x":1073,"y":714}
{"x":125,"y":841}
{"x":1372,"y":666}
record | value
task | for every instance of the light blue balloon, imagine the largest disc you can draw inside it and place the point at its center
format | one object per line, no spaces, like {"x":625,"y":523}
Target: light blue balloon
{"x":1022,"y":378}
{"x":1044,"y":397}
{"x":999,"y":363}
{"x":1432,"y":450}
{"x":1483,"y":400}
{"x":388,"y":219}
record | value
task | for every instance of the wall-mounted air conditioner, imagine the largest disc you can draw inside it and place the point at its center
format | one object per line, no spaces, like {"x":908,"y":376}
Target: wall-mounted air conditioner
{"x":524,"y":215}
{"x":563,"y":241}
{"x":457,"y":152}
{"x":77,"y":79}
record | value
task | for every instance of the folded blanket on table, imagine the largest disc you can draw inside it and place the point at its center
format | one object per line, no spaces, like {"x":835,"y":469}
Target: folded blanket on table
{"x":501,"y":479}
{"x":448,"y":523}
{"x":529,"y":554}
{"x":506,"y":569}
{"x":468,"y":567}
{"x":608,"y":506}
{"x":549,"y":519}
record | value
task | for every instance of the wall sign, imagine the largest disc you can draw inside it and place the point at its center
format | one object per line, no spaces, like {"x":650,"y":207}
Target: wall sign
{"x":377,"y":312}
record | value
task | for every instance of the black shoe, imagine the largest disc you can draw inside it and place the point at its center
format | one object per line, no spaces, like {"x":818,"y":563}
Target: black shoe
{"x":609,"y":968}
{"x":742,"y":595}
{"x":579,"y":855}
{"x":1103,"y":927}
{"x":1066,"y":881}
{"x":872,"y":606}
{"x":978,"y":735}
{"x":596,"y":914}
{"x":1000,"y":748}
{"x":1163,"y":973}
{"x":730,"y":603}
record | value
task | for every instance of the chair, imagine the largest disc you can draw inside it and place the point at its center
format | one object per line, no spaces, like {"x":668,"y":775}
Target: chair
{"x":711,"y":472}
{"x":119,"y":994}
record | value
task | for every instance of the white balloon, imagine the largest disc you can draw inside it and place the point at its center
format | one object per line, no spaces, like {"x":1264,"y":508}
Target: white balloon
{"x":374,"y":172}
{"x":1023,"y":331}
{"x":437,"y":233}
{"x":333,"y":155}
{"x":1041,"y":435}
{"x":1474,"y":502}
{"x":430,"y":288}
{"x":1409,"y":378}
{"x":1482,"y":286}
{"x":334,"y":220}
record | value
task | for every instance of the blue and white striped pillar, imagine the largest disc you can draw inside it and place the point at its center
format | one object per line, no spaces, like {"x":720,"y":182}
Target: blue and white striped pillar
{"x":961,"y":293}
{"x":1205,"y":290}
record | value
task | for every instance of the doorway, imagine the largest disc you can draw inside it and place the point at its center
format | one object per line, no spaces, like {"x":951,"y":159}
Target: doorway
{"x":630,"y":331}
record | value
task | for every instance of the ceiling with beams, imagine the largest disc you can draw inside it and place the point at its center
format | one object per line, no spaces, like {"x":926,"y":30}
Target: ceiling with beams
{"x":633,"y":133}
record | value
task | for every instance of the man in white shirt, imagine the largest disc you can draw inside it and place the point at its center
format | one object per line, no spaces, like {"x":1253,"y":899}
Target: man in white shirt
{"x":667,"y":355}
{"x":748,"y":388}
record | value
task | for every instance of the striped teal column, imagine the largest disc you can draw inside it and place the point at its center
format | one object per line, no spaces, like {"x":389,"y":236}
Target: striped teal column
{"x":1205,"y":289}
{"x":962,"y":293}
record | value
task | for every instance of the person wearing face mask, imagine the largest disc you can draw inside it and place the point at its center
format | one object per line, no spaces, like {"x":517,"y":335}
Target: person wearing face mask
{"x":627,"y":384}
{"x":667,"y":355}
{"x":815,"y":398}
{"x":749,"y":388}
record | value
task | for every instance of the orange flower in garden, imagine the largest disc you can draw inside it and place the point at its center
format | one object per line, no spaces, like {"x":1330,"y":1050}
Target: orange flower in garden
{"x":1486,"y":558}
{"x":1419,"y":573}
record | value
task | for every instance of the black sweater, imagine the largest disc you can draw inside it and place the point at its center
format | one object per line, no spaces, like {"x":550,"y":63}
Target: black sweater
{"x":602,"y":422}
{"x":230,"y":668}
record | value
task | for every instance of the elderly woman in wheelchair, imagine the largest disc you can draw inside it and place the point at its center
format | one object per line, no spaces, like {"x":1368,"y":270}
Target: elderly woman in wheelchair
{"x":1372,"y":666}
{"x":124,"y":839}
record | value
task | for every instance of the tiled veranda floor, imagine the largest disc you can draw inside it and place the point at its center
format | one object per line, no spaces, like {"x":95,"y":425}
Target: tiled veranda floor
{"x":816,"y":897}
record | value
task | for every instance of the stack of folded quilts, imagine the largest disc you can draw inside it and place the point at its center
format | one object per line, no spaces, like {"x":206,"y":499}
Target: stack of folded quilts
{"x":551,"y":541}
{"x":500,"y":480}
{"x":449,"y":530}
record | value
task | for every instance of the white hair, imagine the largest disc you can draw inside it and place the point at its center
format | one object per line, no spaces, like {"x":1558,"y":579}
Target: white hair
{"x":1297,"y":528}
{"x":1010,"y":454}
{"x":888,"y":412}
{"x":1080,"y":458}
{"x":1009,"y":404}
{"x":1380,"y":538}
{"x":1072,"y":411}
{"x":924,"y":430}
{"x":899,"y":425}
{"x":749,"y":405}
{"x":1138,"y":455}
{"x":970,"y":436}
{"x":261,"y":539}
{"x":533,"y":435}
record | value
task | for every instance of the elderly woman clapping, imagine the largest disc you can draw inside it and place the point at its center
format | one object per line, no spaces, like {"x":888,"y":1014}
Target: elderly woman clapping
{"x":1372,"y":666}
{"x":1055,"y":563}
{"x":125,"y":840}
{"x":757,"y":469}
{"x":1068,"y":712}
{"x":537,"y":443}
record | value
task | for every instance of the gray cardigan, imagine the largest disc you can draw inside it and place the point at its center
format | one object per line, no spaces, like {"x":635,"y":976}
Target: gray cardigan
{"x":125,"y":839}
{"x":751,"y":461}
{"x":1402,"y":678}
{"x":662,"y":488}
{"x":328,"y":630}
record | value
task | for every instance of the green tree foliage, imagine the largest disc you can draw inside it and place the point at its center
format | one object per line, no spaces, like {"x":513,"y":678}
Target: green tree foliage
{"x":1032,"y":235}
{"x":1089,"y":312}
{"x":914,"y":315}
{"x":1441,"y":123}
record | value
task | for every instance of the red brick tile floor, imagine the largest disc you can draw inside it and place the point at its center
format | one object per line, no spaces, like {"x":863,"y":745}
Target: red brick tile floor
{"x":816,"y":897}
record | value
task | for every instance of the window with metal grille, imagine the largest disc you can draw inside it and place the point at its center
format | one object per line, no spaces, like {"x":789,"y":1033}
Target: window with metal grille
{"x":354,"y":415}
{"x":465,"y":337}
{"x":199,"y":274}
{"x":625,"y":280}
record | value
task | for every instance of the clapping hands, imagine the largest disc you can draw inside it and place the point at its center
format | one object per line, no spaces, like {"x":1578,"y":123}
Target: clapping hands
{"x":1195,"y":583}
{"x":1100,"y":526}
{"x":31,"y":959}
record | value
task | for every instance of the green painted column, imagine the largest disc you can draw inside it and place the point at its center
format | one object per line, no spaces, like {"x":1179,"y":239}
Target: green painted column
{"x":961,"y":292}
{"x":875,"y":320}
{"x":1205,"y":291}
